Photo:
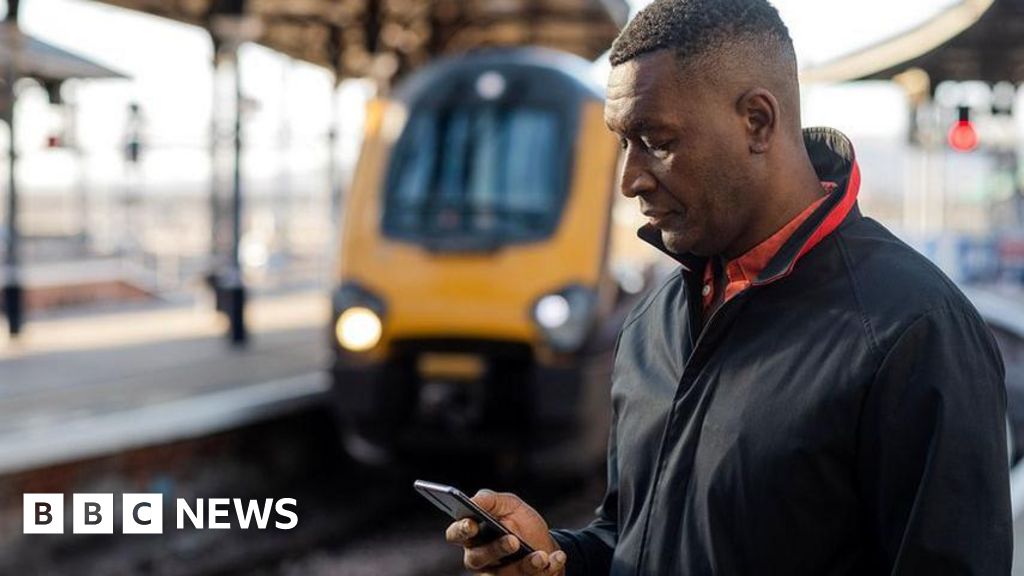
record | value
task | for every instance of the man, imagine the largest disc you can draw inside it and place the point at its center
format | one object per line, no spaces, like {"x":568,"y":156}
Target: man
{"x":808,"y":395}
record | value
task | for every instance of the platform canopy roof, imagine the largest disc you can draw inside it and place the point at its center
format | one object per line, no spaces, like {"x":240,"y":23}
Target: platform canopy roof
{"x":971,"y":40}
{"x":351,"y":36}
{"x":46,"y":62}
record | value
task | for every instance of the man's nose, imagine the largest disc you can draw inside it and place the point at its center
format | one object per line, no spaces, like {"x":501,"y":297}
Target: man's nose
{"x":636,"y":179}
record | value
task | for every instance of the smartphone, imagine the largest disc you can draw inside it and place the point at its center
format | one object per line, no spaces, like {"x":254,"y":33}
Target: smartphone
{"x":457,"y":505}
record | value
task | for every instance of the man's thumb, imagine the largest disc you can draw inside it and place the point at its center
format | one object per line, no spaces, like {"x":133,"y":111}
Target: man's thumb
{"x":496,"y":504}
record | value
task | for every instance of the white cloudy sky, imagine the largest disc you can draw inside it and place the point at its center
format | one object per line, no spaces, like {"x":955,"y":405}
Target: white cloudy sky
{"x":823,"y":29}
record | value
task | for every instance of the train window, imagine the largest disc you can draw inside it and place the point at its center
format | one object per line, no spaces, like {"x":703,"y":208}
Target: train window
{"x":486,"y":170}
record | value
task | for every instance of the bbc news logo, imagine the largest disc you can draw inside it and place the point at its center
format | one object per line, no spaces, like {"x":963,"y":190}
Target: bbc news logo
{"x":144,"y":513}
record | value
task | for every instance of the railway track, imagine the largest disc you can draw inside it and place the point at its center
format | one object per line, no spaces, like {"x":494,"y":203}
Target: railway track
{"x":412,"y":543}
{"x":351,"y":520}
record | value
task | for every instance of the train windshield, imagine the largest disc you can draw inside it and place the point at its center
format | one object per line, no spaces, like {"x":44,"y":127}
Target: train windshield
{"x":490,"y":174}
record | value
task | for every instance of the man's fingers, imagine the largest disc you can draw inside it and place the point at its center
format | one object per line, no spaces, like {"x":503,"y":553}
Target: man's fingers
{"x":462,"y":530}
{"x":536,"y":563}
{"x":543,"y":564}
{"x":556,"y":563}
{"x":479,"y":557}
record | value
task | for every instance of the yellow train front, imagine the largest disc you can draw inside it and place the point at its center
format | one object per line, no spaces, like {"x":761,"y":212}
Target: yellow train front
{"x":476,"y":306}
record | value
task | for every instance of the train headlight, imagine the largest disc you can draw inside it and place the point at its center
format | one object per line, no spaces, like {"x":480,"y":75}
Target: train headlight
{"x":552,"y":311}
{"x":358,"y":329}
{"x":359,"y":314}
{"x":565,"y":317}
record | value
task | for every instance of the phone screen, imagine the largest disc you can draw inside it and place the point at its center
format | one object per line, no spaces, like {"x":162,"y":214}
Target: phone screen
{"x":458,"y":506}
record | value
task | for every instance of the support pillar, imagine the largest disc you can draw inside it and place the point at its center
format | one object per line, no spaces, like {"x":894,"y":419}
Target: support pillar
{"x":13,"y":292}
{"x":229,"y":33}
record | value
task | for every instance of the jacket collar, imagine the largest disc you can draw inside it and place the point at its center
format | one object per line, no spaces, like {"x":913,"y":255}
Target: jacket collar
{"x":834,"y":161}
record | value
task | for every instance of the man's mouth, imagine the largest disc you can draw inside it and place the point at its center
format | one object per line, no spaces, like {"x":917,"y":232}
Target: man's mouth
{"x":659,"y":219}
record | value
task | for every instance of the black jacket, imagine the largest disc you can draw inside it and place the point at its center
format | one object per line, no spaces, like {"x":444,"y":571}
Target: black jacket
{"x":844,"y":415}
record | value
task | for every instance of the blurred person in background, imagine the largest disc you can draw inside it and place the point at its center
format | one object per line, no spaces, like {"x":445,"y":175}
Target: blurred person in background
{"x":807,"y":395}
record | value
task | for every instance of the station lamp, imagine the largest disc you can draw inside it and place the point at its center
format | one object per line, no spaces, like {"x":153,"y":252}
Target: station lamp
{"x":962,"y":136}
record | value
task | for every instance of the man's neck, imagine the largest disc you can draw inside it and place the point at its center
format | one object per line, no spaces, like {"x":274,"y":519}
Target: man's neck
{"x":784,"y":201}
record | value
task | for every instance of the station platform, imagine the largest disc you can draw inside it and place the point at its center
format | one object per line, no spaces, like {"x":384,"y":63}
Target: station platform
{"x":75,"y":387}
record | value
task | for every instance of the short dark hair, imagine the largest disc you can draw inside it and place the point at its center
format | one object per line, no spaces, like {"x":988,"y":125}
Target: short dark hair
{"x":695,"y":28}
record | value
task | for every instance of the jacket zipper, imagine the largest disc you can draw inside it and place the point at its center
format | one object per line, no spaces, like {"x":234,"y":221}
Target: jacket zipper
{"x":668,"y":425}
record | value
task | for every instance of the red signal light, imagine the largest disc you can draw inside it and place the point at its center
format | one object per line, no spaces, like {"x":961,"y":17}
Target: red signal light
{"x":963,"y":137}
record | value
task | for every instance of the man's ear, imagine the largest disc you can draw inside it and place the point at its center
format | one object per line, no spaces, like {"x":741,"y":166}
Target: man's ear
{"x":760,"y":112}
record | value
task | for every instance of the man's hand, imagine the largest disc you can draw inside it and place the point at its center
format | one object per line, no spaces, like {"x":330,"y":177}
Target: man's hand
{"x":519,"y":518}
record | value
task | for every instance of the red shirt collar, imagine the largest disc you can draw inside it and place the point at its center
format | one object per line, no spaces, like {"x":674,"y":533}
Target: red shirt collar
{"x":740,"y":272}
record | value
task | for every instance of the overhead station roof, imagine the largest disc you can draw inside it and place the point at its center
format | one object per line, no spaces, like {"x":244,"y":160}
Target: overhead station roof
{"x":972,"y":40}
{"x":46,"y":62}
{"x":348,"y":36}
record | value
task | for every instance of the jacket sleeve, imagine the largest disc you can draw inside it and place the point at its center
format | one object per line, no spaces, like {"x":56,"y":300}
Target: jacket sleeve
{"x":932,"y":462}
{"x":589,"y":551}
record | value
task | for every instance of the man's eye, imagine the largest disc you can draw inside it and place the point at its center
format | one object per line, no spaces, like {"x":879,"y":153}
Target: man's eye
{"x":658,"y":147}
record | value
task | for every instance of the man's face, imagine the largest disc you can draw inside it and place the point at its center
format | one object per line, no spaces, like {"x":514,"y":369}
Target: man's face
{"x":686,"y":150}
